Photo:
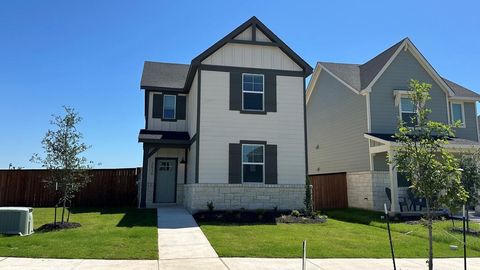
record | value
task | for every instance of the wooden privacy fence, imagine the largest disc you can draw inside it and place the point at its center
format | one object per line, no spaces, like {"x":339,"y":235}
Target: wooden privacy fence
{"x":329,"y":191}
{"x":108,"y":187}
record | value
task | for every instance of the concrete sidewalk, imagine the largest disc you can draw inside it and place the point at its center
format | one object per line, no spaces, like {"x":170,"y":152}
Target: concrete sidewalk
{"x":233,"y":264}
{"x":181,"y":242}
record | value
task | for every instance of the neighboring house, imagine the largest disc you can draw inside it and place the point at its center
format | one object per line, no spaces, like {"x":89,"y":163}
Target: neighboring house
{"x":353,"y":110}
{"x":228,"y":128}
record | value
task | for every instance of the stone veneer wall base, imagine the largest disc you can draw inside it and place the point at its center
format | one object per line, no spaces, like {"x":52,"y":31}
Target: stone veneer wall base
{"x":247,"y":196}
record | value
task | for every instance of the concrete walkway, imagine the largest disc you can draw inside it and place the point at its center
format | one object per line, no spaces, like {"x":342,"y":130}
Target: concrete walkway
{"x":182,"y":244}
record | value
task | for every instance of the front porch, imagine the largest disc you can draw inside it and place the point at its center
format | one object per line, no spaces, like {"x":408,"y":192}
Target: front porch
{"x":383,"y":184}
{"x":164,"y":173}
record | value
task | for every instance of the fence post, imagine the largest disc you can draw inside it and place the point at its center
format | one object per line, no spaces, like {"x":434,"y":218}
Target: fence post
{"x":304,"y":258}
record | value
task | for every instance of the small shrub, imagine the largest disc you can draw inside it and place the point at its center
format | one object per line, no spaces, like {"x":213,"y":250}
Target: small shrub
{"x":260,"y":213}
{"x":210,"y":206}
{"x":295,"y":213}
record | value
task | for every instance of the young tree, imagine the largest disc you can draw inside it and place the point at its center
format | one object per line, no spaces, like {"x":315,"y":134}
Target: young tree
{"x":308,"y":197}
{"x":471,"y":179}
{"x":63,"y":149}
{"x":421,"y":155}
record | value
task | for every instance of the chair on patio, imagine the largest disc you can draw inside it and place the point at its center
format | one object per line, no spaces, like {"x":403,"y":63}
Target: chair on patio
{"x":416,"y":201}
{"x":402,"y":201}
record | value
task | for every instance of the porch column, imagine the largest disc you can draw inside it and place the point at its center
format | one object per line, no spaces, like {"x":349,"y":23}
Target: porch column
{"x":143,"y":184}
{"x":393,"y":184}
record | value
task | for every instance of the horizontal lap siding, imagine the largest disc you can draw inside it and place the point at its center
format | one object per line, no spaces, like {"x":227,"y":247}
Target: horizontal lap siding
{"x":336,"y":123}
{"x":109,"y":187}
{"x":397,"y":76}
{"x":470,"y":131}
{"x":220,"y":126}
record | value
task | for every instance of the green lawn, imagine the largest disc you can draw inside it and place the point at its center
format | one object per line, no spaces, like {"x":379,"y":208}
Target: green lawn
{"x":105,"y":234}
{"x":347,"y":234}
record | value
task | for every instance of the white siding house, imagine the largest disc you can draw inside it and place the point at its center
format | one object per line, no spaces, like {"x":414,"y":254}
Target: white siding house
{"x":229,"y":128}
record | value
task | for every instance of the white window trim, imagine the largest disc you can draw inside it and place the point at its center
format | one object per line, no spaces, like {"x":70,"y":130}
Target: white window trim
{"x":174,"y":107}
{"x":400,"y":105}
{"x":462,"y":105}
{"x":255,"y":163}
{"x":254,"y":92}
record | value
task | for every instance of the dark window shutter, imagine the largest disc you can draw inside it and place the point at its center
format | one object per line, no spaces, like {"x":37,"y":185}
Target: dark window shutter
{"x":271,"y":164}
{"x":270,"y":92}
{"x":235,"y":91}
{"x":181,"y":107}
{"x":234,"y":163}
{"x":157,"y":110}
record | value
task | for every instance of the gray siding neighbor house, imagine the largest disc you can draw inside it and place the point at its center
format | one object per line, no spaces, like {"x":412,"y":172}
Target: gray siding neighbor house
{"x":228,"y":128}
{"x":354,"y":109}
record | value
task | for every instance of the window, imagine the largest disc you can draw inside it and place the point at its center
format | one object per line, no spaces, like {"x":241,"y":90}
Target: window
{"x":407,"y":111}
{"x":458,"y":113}
{"x":169,"y":102}
{"x":252,"y":91}
{"x":253,"y":163}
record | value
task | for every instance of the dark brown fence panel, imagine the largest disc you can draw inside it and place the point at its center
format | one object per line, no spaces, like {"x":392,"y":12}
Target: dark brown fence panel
{"x":329,"y":191}
{"x":109,"y":187}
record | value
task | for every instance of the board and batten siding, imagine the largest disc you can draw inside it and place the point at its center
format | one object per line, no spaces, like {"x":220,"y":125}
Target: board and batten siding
{"x":469,"y":132}
{"x":192,"y":163}
{"x":252,"y":56}
{"x":384,"y":112}
{"x":220,"y":126}
{"x":158,"y":124}
{"x":336,"y":123}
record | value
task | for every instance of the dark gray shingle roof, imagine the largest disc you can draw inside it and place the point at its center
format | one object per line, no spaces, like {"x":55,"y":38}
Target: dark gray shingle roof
{"x":454,"y":141}
{"x":359,"y":76}
{"x":349,"y":73}
{"x":163,"y":75}
{"x":460,"y":90}
{"x":370,"y":69}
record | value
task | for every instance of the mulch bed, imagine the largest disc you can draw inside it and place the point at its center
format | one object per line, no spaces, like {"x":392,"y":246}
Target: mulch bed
{"x":255,"y":217}
{"x":58,"y":226}
{"x":238,"y":216}
{"x":301,"y":219}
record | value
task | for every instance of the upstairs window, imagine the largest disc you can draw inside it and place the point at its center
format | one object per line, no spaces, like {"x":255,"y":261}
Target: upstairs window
{"x":458,"y":113}
{"x":407,"y":111}
{"x":253,"y":163}
{"x":169,"y":106}
{"x":252,"y":92}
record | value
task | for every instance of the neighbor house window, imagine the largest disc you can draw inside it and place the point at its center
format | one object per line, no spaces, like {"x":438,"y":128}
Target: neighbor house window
{"x":169,"y":102}
{"x":253,"y":163}
{"x":252,"y":91}
{"x":458,"y":113}
{"x":407,"y":111}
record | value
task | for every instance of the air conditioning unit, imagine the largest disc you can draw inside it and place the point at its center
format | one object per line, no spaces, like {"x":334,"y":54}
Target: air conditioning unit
{"x":16,"y":220}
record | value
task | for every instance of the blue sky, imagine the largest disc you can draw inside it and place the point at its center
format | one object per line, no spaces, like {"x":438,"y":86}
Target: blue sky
{"x":89,"y":55}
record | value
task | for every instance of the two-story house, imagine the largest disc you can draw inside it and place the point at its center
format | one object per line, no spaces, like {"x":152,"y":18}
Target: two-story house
{"x":229,"y":128}
{"x":354,"y":109}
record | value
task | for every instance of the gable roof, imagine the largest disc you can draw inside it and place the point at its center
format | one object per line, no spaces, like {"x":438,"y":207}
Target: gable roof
{"x":360,"y":76}
{"x":158,"y":75}
{"x":179,"y":77}
{"x":370,"y":69}
{"x":254,"y":21}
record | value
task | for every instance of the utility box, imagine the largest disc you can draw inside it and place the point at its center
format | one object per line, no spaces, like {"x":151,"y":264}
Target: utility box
{"x":16,"y":220}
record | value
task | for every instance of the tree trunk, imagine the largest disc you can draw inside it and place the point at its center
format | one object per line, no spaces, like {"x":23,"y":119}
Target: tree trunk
{"x":430,"y":237}
{"x":64,"y":204}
